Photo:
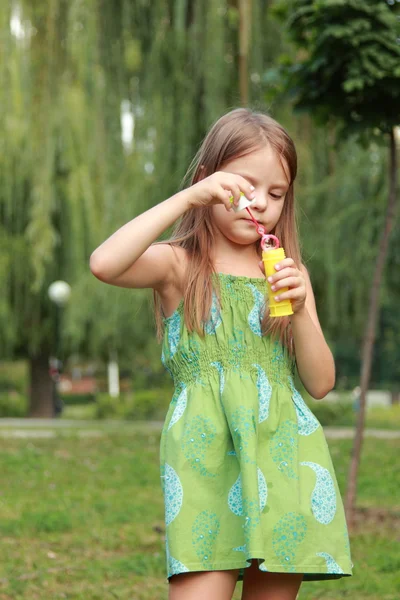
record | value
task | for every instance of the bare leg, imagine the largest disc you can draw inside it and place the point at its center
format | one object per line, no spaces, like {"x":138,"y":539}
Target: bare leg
{"x":259,"y":585}
{"x":210,"y":585}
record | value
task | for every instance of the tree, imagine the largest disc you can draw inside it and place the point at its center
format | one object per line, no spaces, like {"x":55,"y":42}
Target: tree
{"x":244,"y":33}
{"x":348,"y":71}
{"x":69,"y":69}
{"x":62,"y":160}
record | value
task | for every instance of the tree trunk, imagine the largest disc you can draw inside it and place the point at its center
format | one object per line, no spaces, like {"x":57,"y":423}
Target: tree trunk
{"x":244,"y":33}
{"x":395,"y":397}
{"x":370,"y":333}
{"x":41,"y":388}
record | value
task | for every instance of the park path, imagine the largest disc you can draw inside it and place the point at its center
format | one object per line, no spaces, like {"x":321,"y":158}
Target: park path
{"x":48,"y":428}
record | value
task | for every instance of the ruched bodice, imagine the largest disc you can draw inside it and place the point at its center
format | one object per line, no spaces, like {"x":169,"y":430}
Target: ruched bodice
{"x":233,"y":338}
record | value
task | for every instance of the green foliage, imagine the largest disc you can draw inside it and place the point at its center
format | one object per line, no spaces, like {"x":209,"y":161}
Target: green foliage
{"x":333,"y":414}
{"x":349,"y":64}
{"x":78,"y":399}
{"x":143,"y":404}
{"x":13,"y":389}
{"x":14,"y":376}
{"x":13,"y":405}
{"x":384,"y":418}
{"x":68,"y":181}
{"x":342,"y":68}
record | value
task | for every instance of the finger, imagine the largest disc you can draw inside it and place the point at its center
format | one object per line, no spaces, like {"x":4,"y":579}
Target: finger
{"x":291,"y":282}
{"x":232,"y":200}
{"x":292,"y":294}
{"x":246,"y":187}
{"x":234,"y":193}
{"x":223,"y":196}
{"x":288,"y":272}
{"x":227,"y":180}
{"x":286,"y":262}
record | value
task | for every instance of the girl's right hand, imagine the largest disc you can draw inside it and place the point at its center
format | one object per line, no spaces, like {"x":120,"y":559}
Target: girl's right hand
{"x":218,"y":188}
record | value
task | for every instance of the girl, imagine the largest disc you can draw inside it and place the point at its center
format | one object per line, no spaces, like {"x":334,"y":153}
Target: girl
{"x":249,"y":488}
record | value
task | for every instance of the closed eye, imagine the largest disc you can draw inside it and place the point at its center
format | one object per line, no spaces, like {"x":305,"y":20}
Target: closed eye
{"x":276,"y":196}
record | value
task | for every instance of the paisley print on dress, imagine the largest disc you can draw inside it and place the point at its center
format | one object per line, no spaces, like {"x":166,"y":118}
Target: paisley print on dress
{"x":262,"y":567}
{"x":174,"y":332}
{"x":283,"y":448}
{"x":215,"y":319}
{"x":197,"y":437}
{"x":164,"y":362}
{"x":235,"y":497}
{"x":264,"y":394}
{"x":243,"y":425}
{"x":205,"y":531}
{"x":262,"y":489}
{"x":323,"y":498}
{"x":179,"y":408}
{"x":331,"y":564}
{"x":173,"y":493}
{"x":307,"y":421}
{"x":257,"y":312}
{"x":287,"y":535}
{"x":174,"y":566}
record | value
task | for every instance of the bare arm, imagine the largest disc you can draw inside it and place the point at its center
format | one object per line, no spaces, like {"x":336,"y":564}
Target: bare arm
{"x":314,"y":359}
{"x":116,"y":261}
{"x":128,"y":259}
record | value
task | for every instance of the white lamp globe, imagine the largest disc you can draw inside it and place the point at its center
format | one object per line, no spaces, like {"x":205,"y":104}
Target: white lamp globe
{"x":59,"y":292}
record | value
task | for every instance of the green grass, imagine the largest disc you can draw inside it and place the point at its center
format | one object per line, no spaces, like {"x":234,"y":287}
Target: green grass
{"x":82,"y":518}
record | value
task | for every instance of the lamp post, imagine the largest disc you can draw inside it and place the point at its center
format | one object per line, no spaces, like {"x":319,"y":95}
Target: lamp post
{"x":59,"y":293}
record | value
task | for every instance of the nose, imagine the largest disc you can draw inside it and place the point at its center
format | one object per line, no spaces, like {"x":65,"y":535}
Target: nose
{"x":261,"y":202}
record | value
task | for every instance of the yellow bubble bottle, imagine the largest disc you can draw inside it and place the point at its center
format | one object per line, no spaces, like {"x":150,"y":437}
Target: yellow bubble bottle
{"x":270,"y":257}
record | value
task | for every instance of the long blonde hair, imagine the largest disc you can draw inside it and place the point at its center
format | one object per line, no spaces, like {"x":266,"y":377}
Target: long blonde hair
{"x":236,"y":134}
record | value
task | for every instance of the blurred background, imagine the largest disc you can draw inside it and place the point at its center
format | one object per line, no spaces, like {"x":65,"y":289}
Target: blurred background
{"x":103,"y":105}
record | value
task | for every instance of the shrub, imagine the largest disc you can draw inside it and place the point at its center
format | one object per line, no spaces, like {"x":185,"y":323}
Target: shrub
{"x":74,"y":399}
{"x":141,"y":405}
{"x":384,"y":417}
{"x":331,"y":413}
{"x":13,"y":376}
{"x":13,"y":405}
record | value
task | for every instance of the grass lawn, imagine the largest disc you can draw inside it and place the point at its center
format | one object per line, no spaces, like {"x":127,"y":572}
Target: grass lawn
{"x":81,"y":517}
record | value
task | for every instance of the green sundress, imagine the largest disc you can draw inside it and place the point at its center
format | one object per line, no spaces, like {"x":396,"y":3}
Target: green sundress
{"x":245,"y":469}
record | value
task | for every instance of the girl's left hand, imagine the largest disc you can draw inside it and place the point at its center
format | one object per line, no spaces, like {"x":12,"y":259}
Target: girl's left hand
{"x":288,"y":275}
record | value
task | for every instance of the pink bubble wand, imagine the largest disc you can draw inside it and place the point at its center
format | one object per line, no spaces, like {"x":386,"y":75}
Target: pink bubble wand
{"x":265,"y":237}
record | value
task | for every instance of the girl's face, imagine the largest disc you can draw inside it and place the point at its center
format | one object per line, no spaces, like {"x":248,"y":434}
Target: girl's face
{"x":270,"y":177}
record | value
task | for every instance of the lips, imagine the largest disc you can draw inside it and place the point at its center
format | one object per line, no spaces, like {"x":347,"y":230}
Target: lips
{"x":249,"y":221}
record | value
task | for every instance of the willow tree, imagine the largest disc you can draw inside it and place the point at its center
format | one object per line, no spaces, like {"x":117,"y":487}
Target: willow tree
{"x":59,"y":150}
{"x":69,"y":180}
{"x":349,"y":72}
